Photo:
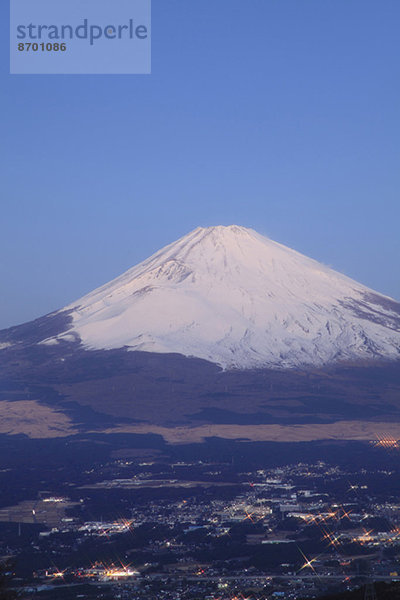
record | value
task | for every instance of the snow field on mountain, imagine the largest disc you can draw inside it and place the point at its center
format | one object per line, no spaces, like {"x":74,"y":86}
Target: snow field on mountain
{"x":238,"y":299}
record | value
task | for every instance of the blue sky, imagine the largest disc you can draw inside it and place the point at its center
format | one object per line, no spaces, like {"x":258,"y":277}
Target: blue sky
{"x":281,"y":115}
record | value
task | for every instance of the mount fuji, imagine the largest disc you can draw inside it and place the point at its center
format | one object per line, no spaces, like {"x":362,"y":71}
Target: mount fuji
{"x":222,"y":333}
{"x":236,"y":298}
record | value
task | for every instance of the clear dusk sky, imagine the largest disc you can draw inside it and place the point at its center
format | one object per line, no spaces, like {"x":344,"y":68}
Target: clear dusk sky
{"x":281,"y":115}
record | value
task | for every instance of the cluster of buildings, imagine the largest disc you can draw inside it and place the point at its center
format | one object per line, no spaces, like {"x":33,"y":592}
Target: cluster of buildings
{"x":294,"y":531}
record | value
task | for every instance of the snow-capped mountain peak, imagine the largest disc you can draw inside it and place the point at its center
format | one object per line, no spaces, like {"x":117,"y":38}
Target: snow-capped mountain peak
{"x":236,"y":298}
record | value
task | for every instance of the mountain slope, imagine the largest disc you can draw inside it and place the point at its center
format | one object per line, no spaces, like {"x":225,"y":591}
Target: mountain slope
{"x":240,"y":300}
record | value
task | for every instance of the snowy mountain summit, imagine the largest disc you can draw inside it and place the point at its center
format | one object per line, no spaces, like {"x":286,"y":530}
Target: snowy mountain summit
{"x":238,"y":299}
